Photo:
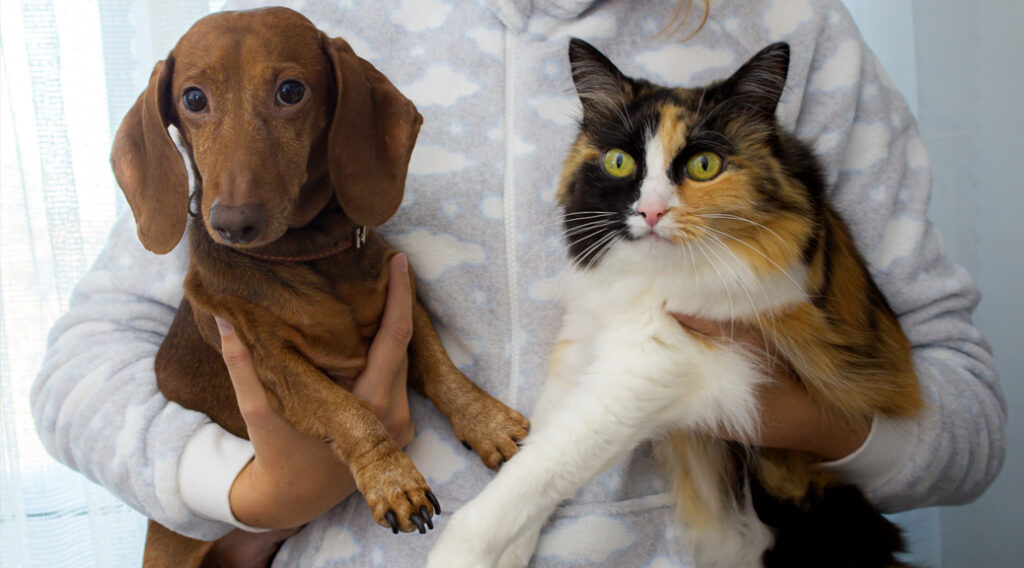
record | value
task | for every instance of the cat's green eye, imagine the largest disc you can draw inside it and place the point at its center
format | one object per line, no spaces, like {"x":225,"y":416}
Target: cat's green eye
{"x":618,"y":163}
{"x":704,"y":166}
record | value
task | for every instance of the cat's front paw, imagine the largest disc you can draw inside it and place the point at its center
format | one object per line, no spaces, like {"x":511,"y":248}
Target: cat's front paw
{"x":463,"y":545}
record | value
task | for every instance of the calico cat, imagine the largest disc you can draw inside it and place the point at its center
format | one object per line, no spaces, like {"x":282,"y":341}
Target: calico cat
{"x":695,"y":201}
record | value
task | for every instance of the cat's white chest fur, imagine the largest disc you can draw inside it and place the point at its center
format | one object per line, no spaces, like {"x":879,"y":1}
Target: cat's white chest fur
{"x":624,"y":371}
{"x":697,"y":280}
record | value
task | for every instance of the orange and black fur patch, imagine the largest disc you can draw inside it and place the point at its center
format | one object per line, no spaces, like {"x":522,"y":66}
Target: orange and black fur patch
{"x":766,"y":207}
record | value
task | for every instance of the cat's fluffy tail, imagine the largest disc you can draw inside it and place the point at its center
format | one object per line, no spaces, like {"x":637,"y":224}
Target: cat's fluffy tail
{"x":742,"y":507}
{"x":713,"y":502}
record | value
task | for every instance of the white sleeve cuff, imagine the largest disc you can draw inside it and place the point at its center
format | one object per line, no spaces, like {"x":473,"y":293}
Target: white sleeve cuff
{"x":210,"y":462}
{"x":886,"y":448}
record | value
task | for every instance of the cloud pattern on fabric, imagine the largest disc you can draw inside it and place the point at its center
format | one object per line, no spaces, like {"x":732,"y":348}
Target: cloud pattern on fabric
{"x":438,"y":460}
{"x":841,"y":71}
{"x":678,"y":64}
{"x":786,"y":16}
{"x":339,"y":543}
{"x":560,"y":110}
{"x":421,"y":15}
{"x":591,"y":539}
{"x":431,"y":159}
{"x":431,"y":254}
{"x":441,"y":85}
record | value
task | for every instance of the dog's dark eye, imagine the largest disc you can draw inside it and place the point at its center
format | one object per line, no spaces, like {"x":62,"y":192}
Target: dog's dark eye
{"x":291,"y":92}
{"x":194,"y":99}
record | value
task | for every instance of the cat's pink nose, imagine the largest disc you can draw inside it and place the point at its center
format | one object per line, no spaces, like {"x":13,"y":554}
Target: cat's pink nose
{"x":652,"y":213}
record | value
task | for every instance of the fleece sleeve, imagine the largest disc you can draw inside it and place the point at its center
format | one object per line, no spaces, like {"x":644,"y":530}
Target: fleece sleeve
{"x":845,"y":105}
{"x":95,"y":401}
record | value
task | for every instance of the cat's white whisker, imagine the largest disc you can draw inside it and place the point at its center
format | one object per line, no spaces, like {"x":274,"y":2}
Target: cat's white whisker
{"x":700,"y":103}
{"x":732,"y":308}
{"x":736,"y":278}
{"x":753,"y":305}
{"x":604,"y":249}
{"x":577,"y":216}
{"x":763,"y":255}
{"x":693,"y":265}
{"x":588,"y":225}
{"x":594,"y":249}
{"x":744,"y":220}
{"x":591,"y":227}
{"x":583,"y":234}
{"x":574,"y":213}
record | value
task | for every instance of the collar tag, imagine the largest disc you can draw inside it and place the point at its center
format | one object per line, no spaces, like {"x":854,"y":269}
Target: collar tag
{"x":360,"y":236}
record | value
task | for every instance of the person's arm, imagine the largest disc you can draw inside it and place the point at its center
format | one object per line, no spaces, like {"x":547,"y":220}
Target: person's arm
{"x":95,"y":401}
{"x":790,"y":418}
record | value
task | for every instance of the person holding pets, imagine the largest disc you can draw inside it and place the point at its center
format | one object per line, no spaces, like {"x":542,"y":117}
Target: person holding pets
{"x":480,"y":228}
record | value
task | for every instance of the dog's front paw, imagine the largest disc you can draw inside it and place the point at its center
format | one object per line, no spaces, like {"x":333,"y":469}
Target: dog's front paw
{"x":490,"y":428}
{"x":397,"y":494}
{"x":462,"y":545}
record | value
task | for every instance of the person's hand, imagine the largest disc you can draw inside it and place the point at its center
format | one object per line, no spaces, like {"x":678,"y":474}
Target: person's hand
{"x":385,"y":389}
{"x":293,"y":478}
{"x":790,"y":418}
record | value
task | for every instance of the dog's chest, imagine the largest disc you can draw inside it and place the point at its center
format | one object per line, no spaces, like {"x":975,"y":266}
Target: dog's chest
{"x":333,"y":320}
{"x":327,"y":311}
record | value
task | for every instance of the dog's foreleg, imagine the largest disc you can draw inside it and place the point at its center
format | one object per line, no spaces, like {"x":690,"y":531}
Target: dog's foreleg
{"x":394,"y":489}
{"x":492,"y":429}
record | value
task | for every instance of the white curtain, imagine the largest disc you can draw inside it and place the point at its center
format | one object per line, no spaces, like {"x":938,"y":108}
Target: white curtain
{"x":69,"y":69}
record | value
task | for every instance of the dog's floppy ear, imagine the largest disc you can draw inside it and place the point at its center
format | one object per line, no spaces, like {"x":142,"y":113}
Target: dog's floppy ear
{"x":371,"y":137}
{"x":149,"y":168}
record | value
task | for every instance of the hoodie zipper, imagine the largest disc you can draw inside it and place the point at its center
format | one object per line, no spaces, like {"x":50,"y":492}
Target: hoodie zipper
{"x":512,"y":270}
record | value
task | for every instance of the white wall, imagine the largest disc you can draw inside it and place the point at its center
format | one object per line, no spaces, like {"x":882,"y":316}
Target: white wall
{"x":961,"y":67}
{"x":970,"y":76}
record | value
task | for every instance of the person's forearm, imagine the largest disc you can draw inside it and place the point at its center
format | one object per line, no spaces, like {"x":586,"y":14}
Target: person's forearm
{"x":95,"y":401}
{"x":251,"y":500}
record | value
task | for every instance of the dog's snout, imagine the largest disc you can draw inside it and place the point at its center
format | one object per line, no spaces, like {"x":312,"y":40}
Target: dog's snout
{"x":238,"y":224}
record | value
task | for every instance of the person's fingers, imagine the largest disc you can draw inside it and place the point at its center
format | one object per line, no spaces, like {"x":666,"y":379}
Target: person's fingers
{"x":387,"y":356}
{"x":736,"y":331}
{"x":252,"y":398}
{"x":708,"y":327}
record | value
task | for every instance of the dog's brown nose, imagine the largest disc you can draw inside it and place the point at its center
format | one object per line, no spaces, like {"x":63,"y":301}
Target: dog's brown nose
{"x":238,"y":224}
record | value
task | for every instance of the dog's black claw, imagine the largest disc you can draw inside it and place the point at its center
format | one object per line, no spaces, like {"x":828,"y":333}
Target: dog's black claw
{"x":501,"y":462}
{"x":426,"y":517}
{"x":392,"y":520}
{"x":418,"y":521}
{"x":433,"y":501}
{"x":466,"y":445}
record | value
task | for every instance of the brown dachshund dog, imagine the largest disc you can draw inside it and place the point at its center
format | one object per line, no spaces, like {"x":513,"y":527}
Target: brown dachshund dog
{"x":296,"y":146}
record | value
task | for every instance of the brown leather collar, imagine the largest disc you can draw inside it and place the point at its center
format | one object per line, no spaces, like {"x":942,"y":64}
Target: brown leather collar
{"x":329,"y":233}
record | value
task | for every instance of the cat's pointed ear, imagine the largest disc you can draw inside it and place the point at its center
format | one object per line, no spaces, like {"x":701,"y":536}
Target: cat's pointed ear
{"x":598,"y":81}
{"x":760,"y":81}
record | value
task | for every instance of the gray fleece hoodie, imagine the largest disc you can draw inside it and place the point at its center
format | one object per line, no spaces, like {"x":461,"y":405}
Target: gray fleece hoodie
{"x":491,"y":79}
